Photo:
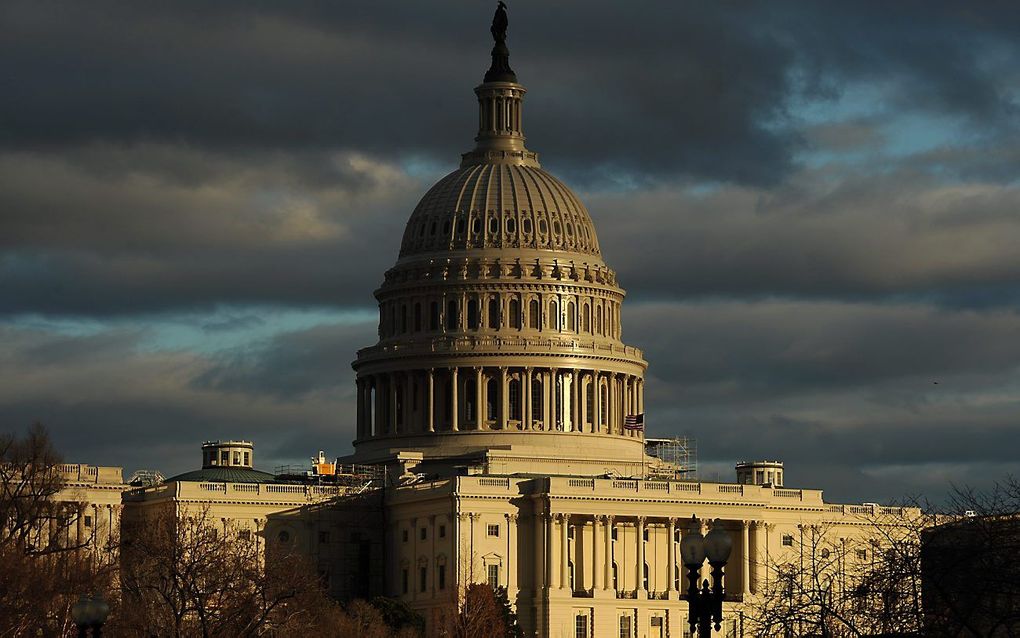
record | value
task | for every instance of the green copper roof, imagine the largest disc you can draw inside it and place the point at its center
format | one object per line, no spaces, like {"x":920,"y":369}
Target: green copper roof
{"x":224,"y":475}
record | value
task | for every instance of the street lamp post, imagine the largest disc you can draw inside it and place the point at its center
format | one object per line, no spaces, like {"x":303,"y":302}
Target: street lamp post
{"x":90,"y":613}
{"x":706,"y":602}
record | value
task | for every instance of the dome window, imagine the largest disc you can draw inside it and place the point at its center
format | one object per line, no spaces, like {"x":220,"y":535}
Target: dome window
{"x":460,"y":227}
{"x":542,"y":228}
{"x":432,"y":229}
{"x":556,"y":228}
{"x":494,"y":312}
{"x":511,"y":226}
{"x":493,"y":225}
{"x":526,"y":226}
{"x":446,"y":227}
{"x":476,"y":226}
{"x":570,"y":230}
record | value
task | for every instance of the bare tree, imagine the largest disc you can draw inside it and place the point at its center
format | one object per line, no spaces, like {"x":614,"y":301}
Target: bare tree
{"x":43,"y":568}
{"x":184,"y":575}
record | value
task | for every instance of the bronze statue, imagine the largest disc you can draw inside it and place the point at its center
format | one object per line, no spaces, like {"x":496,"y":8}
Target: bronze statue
{"x":499,"y":23}
{"x":500,"y":70}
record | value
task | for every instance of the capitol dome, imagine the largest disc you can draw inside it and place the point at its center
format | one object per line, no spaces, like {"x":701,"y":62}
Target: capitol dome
{"x":499,"y":205}
{"x":499,"y":324}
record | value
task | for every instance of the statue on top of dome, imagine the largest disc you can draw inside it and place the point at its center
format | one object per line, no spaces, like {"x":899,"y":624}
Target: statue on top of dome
{"x":500,"y":70}
{"x":499,"y":23}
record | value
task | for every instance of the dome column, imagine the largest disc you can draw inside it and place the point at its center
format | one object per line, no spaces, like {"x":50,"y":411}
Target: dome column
{"x":430,"y":393}
{"x":526,"y":397}
{"x":596,"y":404}
{"x":479,"y":402}
{"x":574,"y":377}
{"x":392,"y":392}
{"x":555,"y":400}
{"x":380,"y":403}
{"x":361,"y":408}
{"x":504,"y":403}
{"x":455,"y":404}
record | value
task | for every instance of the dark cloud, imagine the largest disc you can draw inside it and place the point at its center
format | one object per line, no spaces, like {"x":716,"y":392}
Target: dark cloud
{"x":109,"y":398}
{"x":818,"y":200}
{"x":704,"y":88}
{"x":293,"y":365}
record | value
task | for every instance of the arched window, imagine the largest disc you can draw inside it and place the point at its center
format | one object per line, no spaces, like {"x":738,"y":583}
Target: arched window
{"x":598,"y":320}
{"x":537,"y":402}
{"x":644,"y":580}
{"x":452,"y":318}
{"x":603,"y":405}
{"x":586,"y":319}
{"x":616,"y":577}
{"x":514,"y":399}
{"x":534,"y":315}
{"x":417,"y":317}
{"x":554,"y":316}
{"x":393,"y":320}
{"x":493,"y":313}
{"x":434,"y":316}
{"x":472,"y":314}
{"x":403,"y":318}
{"x":515,"y":314}
{"x":571,"y":319}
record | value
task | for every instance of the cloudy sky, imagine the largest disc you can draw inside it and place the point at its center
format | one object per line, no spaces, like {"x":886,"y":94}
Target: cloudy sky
{"x":813,"y":208}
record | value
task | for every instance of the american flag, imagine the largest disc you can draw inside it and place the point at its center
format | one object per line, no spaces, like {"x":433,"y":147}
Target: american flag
{"x":634,"y":422}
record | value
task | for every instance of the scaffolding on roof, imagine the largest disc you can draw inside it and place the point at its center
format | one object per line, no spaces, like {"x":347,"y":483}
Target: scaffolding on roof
{"x":674,"y":458}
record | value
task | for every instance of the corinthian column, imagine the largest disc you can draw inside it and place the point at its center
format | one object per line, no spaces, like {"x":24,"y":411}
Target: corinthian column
{"x":526,"y":394}
{"x":430,"y":390}
{"x":607,"y":566}
{"x":641,"y":591}
{"x":575,"y":425}
{"x":564,"y":551}
{"x":511,"y":557}
{"x":598,"y":556}
{"x":504,"y":404}
{"x":361,"y":408}
{"x":745,"y":559}
{"x":479,"y":400}
{"x":453,"y":399}
{"x":671,"y":559}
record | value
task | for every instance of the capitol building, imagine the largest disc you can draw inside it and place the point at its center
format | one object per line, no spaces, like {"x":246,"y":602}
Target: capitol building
{"x":505,"y":412}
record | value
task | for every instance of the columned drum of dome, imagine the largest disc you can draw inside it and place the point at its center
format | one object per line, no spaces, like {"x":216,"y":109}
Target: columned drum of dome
{"x":499,"y":325}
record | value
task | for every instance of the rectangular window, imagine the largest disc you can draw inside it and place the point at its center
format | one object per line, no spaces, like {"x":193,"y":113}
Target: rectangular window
{"x":581,"y":626}
{"x":423,"y":534}
{"x":492,"y":530}
{"x":788,"y":540}
{"x":88,"y":521}
{"x":403,"y":535}
{"x":862,"y":554}
{"x":224,"y":457}
{"x":493,"y":574}
{"x":244,"y":534}
{"x":442,"y":577}
{"x":247,"y":458}
{"x":625,"y":631}
{"x":442,"y":531}
{"x":423,"y":576}
{"x":237,"y":458}
{"x":323,"y":537}
{"x":403,"y":576}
